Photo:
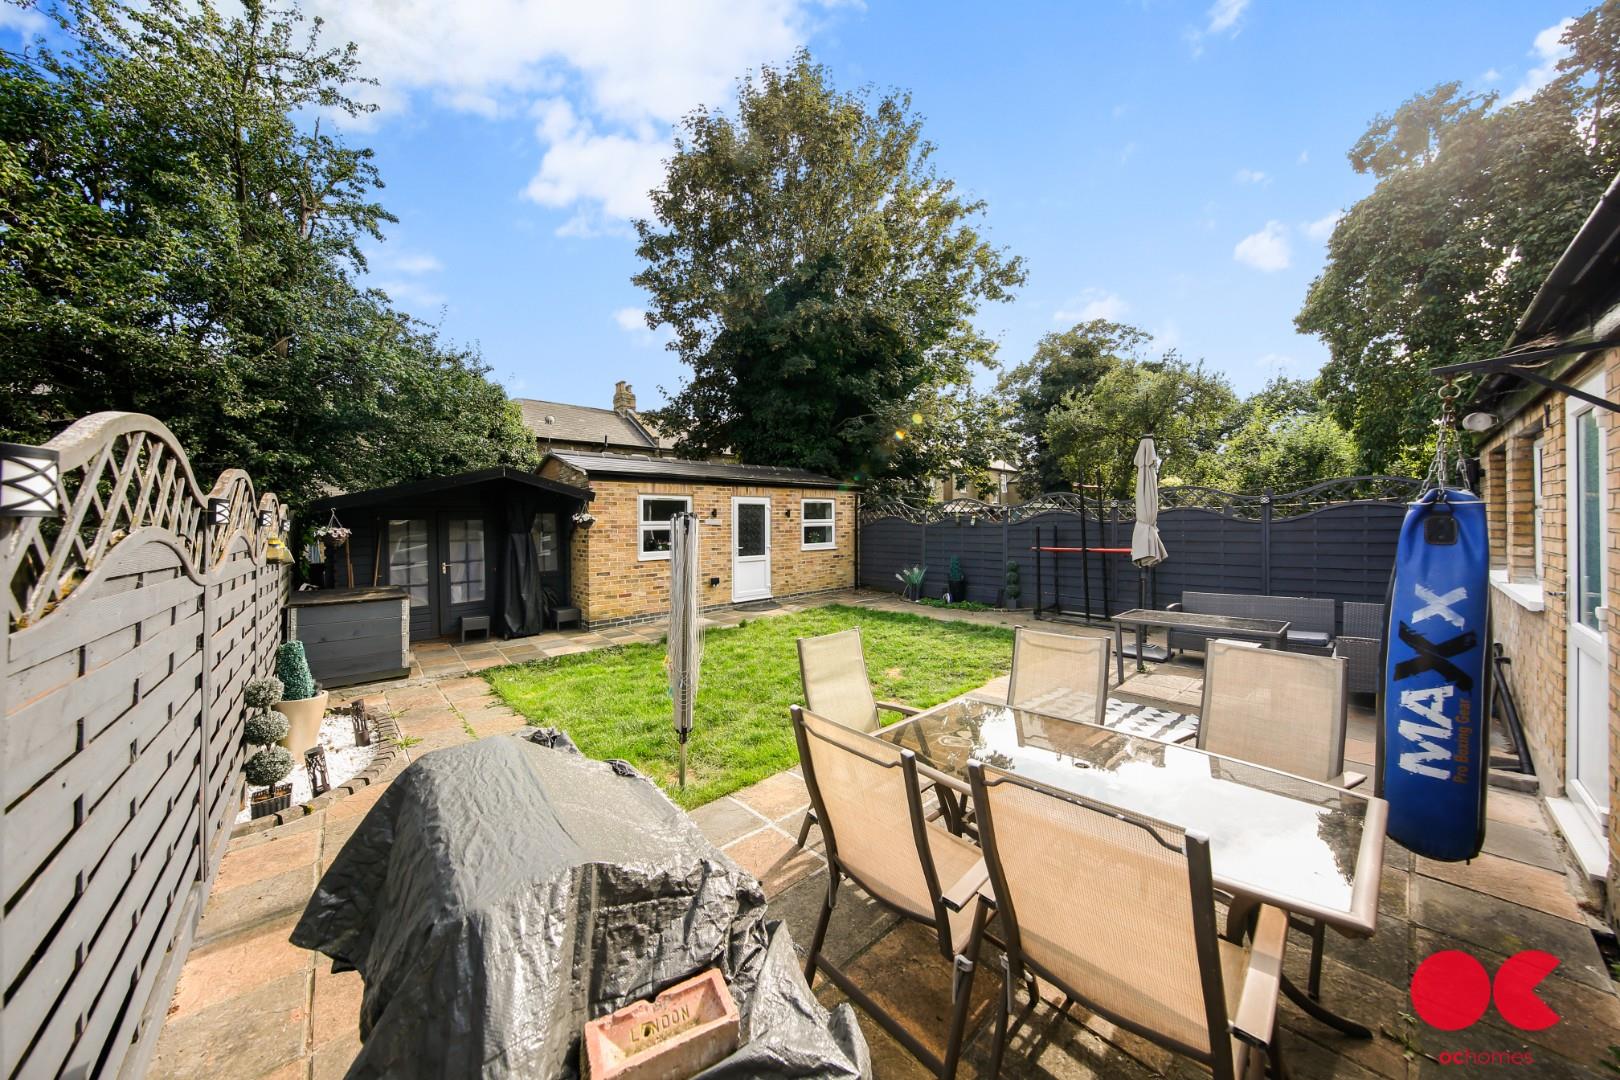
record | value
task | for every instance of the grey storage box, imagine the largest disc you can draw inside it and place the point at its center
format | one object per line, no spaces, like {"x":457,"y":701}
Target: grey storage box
{"x":352,"y":635}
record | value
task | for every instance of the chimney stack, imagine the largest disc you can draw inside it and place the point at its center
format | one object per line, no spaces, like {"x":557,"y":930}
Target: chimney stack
{"x":624,"y":398}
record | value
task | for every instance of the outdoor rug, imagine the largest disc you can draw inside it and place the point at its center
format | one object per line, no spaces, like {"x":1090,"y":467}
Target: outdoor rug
{"x":1145,"y":720}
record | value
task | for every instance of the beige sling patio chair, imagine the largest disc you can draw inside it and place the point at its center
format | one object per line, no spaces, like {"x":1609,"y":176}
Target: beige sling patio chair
{"x":866,"y":795}
{"x":832,"y":668}
{"x":1118,"y":911}
{"x":1059,"y":675}
{"x":1285,"y":711}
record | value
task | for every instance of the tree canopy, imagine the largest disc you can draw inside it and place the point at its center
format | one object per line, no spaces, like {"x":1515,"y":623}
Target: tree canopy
{"x":820,"y":279}
{"x":180,"y":237}
{"x":1190,"y":412}
{"x":1065,"y":362}
{"x":1475,"y":201}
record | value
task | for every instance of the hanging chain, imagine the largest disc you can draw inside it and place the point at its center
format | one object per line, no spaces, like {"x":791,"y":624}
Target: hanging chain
{"x":1447,"y":445}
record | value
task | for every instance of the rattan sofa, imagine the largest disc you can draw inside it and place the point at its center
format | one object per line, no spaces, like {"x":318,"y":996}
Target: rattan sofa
{"x":1361,"y":645}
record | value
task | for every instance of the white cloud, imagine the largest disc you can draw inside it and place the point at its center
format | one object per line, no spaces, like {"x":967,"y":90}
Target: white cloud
{"x":1224,"y":14}
{"x":1128,"y":152}
{"x":633,"y":321}
{"x":1222,"y":18}
{"x":1322,"y":228}
{"x":1250,"y":176}
{"x":1491,"y":75}
{"x":1304,"y":157}
{"x":25,"y":21}
{"x":1092,"y":304}
{"x":1548,"y":51}
{"x":1168,"y":336}
{"x":402,"y":273}
{"x":610,"y":77}
{"x":1267,"y":250}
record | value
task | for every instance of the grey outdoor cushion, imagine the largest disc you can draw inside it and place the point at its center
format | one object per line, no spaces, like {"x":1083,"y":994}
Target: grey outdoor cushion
{"x":1309,"y":637}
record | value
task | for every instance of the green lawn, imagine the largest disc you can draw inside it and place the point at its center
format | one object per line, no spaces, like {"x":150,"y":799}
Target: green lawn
{"x":615,"y":703}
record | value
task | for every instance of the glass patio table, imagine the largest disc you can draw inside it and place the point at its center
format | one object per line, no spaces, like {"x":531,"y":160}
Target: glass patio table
{"x":1312,"y":849}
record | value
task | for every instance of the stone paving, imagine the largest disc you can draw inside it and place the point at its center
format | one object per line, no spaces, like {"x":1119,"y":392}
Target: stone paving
{"x":250,"y":1004}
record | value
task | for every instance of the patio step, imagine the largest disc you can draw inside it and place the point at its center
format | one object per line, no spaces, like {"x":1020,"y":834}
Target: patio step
{"x":1515,"y":781}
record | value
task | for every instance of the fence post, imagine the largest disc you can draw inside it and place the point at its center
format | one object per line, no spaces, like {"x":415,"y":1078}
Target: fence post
{"x":1265,"y":541}
{"x":205,"y":705}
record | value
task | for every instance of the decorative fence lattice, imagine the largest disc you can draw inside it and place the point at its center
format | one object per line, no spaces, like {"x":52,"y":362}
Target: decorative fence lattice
{"x":133,"y":622}
{"x":1335,"y":539}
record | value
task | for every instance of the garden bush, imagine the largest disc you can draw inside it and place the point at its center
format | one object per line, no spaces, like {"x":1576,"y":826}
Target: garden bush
{"x":293,"y":671}
{"x":262,"y":693}
{"x":268,"y":767}
{"x":264,"y":728}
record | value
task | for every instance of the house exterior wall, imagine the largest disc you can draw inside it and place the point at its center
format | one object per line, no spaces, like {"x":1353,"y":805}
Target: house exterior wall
{"x":611,"y":584}
{"x":1537,"y":640}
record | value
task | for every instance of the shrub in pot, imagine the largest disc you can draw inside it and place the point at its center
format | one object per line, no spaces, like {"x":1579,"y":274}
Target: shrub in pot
{"x":1012,"y":589}
{"x":302,"y":703}
{"x":956,"y":581}
{"x":912,"y":578}
{"x":268,"y":767}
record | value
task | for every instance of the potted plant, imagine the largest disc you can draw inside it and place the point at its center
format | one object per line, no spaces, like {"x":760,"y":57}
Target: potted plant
{"x":956,"y":582}
{"x":269,"y":766}
{"x":302,"y":702}
{"x":912,"y":578}
{"x":1013,"y":589}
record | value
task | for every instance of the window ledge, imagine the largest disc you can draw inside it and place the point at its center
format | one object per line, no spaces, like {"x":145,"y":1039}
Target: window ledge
{"x":1527,"y":595}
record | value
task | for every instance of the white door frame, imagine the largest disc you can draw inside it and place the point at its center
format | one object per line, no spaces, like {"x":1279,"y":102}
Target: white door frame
{"x":750,"y":500}
{"x":1593,"y":807}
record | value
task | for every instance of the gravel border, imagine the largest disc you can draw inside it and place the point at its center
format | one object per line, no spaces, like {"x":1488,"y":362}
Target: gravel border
{"x":385,"y":734}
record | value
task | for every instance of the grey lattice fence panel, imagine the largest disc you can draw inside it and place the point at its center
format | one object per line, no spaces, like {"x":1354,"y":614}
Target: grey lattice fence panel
{"x":1335,"y":539}
{"x":133,"y":623}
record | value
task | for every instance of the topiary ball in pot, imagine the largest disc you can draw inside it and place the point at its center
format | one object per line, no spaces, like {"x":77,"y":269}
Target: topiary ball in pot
{"x":293,"y":671}
{"x":262,"y":693}
{"x":268,"y":767}
{"x":264,"y":728}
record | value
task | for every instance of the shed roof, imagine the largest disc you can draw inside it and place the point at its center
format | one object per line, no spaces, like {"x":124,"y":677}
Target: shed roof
{"x":583,"y":424}
{"x":442,"y":483}
{"x":639,"y":466}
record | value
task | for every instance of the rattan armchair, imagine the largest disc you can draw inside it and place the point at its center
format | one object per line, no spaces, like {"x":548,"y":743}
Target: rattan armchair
{"x":1118,"y":911}
{"x":1361,"y":645}
{"x":867,"y":797}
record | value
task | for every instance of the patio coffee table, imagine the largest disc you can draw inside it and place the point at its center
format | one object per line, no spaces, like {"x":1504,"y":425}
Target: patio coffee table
{"x":1274,"y":631}
{"x":1312,"y":849}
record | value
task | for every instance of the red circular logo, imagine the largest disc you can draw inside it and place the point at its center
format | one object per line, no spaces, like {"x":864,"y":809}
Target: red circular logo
{"x":1451,"y":990}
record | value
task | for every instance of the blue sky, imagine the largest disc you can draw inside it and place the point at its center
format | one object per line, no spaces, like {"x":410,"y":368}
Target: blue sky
{"x":1170,"y":164}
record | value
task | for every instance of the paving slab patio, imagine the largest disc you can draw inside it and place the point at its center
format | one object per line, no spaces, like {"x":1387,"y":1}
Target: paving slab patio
{"x":250,"y":1004}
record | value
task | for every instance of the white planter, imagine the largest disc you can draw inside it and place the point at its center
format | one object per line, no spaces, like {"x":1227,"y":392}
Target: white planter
{"x":303,"y":723}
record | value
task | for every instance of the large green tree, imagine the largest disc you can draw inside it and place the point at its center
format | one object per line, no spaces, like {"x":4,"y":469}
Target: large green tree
{"x":179,"y":237}
{"x":820,"y":279}
{"x":1064,"y":362}
{"x":1475,"y":201}
{"x":1285,"y":441}
{"x":1190,"y":412}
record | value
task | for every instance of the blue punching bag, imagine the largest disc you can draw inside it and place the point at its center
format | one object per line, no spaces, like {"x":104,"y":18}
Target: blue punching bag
{"x":1433,"y":744}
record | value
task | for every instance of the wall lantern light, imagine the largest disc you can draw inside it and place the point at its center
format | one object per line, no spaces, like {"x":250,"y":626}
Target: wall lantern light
{"x":1479,"y":421}
{"x":219,"y":511}
{"x":266,"y":518}
{"x":30,"y":479}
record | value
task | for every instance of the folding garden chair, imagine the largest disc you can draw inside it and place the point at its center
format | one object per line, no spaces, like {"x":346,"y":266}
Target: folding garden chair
{"x":1059,"y":675}
{"x":866,"y":795}
{"x":832,"y":668}
{"x":1117,"y":910}
{"x":1285,"y":711}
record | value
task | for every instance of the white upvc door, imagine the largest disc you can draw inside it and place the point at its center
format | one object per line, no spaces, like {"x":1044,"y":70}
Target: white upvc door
{"x":1587,"y":737}
{"x":750,"y":548}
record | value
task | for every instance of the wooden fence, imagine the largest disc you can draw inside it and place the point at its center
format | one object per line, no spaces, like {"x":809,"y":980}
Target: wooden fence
{"x":134,"y":619}
{"x":1332,"y":540}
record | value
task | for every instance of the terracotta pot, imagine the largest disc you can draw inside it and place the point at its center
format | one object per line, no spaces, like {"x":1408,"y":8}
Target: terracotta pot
{"x":270,"y":801}
{"x":303,"y":723}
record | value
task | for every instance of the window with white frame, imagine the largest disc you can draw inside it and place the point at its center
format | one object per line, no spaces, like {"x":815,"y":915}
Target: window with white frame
{"x":816,"y":524}
{"x":654,"y":513}
{"x":1537,"y":487}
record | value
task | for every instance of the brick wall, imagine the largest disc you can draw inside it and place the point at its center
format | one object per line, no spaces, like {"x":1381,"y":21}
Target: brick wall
{"x":610,"y":582}
{"x":1538,"y":640}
